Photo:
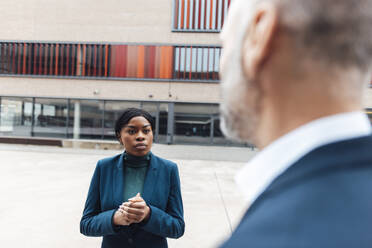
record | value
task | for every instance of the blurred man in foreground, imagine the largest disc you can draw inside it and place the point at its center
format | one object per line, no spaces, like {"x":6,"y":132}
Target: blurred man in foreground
{"x":293,"y":77}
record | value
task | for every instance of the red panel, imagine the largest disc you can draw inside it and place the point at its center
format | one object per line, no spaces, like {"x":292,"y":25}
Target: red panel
{"x":35,"y":59}
{"x":151,"y":62}
{"x":84,"y":48}
{"x":112,"y":61}
{"x":41,"y":48}
{"x":106,"y":61}
{"x":193,"y":15}
{"x":200,"y":5}
{"x":116,"y":65}
{"x":62,"y":56}
{"x":216,"y":13}
{"x":24,"y":58}
{"x":56,"y":59}
{"x":52,"y":54}
{"x":123,"y":60}
{"x":68,"y":58}
{"x":99,"y":71}
{"x":176,"y":14}
{"x":14,"y":58}
{"x":73,"y":60}
{"x":95,"y":61}
{"x":205,"y":14}
{"x":19,"y":59}
{"x":182,"y":14}
{"x":46,"y":57}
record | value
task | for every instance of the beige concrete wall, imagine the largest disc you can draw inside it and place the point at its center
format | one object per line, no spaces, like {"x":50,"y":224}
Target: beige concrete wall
{"x":94,"y":20}
{"x":110,"y":89}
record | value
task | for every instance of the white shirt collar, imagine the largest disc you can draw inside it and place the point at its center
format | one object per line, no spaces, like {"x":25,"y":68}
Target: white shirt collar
{"x":273,"y":160}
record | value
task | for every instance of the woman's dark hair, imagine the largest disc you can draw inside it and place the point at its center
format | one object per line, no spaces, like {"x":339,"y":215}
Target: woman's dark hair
{"x":127,"y":115}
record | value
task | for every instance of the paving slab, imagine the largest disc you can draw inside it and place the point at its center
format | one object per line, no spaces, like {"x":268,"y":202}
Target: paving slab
{"x":43,"y":190}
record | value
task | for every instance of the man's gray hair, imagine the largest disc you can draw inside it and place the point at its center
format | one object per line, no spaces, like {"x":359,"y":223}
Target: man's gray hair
{"x":337,"y":31}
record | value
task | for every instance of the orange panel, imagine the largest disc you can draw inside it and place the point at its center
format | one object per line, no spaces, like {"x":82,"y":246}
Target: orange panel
{"x":188,"y":15}
{"x":182,"y":14}
{"x":83,"y":60}
{"x":162,"y":61}
{"x":169,"y":65}
{"x":157,"y":61}
{"x":141,"y":62}
{"x":211,"y":15}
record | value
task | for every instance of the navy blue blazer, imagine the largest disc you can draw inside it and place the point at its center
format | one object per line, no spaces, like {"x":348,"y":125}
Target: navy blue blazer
{"x":162,"y":193}
{"x":324,"y":200}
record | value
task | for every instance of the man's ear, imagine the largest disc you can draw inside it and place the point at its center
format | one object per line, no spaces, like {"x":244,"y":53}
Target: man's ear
{"x":259,"y":38}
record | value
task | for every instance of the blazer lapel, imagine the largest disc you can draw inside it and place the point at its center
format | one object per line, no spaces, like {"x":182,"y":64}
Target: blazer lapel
{"x":150,"y":180}
{"x":118,"y":182}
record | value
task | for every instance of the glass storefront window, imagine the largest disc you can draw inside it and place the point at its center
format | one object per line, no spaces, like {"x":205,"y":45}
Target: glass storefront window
{"x":175,"y":123}
{"x":50,"y":117}
{"x":85,"y":120}
{"x":16,"y":116}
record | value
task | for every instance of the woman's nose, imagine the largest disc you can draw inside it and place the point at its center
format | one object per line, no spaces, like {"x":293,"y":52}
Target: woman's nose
{"x":140,"y":136}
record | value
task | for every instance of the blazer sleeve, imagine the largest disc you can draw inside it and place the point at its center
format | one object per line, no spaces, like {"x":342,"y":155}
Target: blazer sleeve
{"x":168,"y":223}
{"x":95,"y":222}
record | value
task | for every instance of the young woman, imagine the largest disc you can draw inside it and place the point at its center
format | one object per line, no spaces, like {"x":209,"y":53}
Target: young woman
{"x":134,"y":198}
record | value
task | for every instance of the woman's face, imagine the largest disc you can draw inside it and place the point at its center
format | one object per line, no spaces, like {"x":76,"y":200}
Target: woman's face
{"x":137,"y":136}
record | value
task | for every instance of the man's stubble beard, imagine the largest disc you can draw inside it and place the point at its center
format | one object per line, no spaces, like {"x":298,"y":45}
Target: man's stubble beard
{"x":240,"y":109}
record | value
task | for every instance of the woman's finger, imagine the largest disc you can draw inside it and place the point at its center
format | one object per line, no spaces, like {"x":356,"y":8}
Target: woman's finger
{"x":135,"y":211}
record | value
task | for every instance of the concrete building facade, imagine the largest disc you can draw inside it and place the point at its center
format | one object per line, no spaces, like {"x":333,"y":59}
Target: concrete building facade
{"x":68,"y":68}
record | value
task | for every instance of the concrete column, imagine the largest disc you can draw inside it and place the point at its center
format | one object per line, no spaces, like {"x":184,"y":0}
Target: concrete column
{"x":170,"y":126}
{"x":212,"y":129}
{"x":23,"y":114}
{"x":33,"y":117}
{"x":157,"y":116}
{"x":0,"y":112}
{"x":77,"y":115}
{"x":68,"y":117}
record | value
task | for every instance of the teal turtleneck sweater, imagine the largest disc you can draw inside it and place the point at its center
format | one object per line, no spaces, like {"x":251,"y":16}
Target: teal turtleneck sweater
{"x":134,"y":174}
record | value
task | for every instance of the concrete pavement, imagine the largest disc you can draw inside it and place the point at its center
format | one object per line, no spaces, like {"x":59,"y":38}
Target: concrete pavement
{"x":43,"y":190}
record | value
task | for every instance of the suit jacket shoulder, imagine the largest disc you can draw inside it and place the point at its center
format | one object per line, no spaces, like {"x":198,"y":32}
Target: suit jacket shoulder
{"x":323,"y":200}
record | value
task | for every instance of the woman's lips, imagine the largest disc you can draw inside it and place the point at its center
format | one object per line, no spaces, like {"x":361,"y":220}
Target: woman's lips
{"x":141,"y":146}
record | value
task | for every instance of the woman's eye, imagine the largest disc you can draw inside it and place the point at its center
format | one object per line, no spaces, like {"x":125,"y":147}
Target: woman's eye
{"x":146,"y":131}
{"x":131,"y":131}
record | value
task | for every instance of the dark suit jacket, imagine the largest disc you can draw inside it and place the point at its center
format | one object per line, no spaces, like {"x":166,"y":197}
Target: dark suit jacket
{"x":161,"y":192}
{"x":324,"y":200}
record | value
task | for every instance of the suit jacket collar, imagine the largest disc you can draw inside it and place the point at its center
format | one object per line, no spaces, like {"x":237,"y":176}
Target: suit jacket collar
{"x":343,"y":155}
{"x":149,"y":184}
{"x":276,"y":158}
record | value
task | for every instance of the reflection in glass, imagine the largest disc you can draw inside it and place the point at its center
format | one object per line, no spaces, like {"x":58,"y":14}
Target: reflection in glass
{"x":16,"y":117}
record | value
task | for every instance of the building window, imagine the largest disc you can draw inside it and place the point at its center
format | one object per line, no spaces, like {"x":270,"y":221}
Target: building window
{"x":113,"y":61}
{"x":199,"y":15}
{"x":197,"y":63}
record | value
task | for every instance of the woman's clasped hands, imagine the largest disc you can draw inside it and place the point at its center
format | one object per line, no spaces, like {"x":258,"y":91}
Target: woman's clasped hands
{"x":135,"y":210}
